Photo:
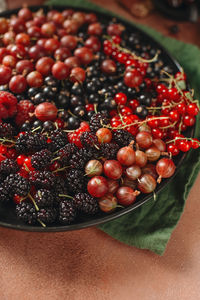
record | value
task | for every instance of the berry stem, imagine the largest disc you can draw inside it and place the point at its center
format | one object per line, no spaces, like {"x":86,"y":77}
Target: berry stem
{"x":36,"y":207}
{"x":61,"y":169}
{"x":66,"y":196}
{"x":43,"y":225}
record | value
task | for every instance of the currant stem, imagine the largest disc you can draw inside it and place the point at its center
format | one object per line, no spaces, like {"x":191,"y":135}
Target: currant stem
{"x":130,"y":52}
{"x":181,"y":138}
{"x":35,"y":129}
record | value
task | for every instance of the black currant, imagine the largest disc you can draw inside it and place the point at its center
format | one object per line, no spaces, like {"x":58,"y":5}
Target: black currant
{"x":80,"y":111}
{"x":141,"y":111}
{"x":73,"y":123}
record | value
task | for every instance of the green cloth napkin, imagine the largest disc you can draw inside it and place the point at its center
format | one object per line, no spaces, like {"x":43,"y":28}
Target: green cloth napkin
{"x":150,"y":226}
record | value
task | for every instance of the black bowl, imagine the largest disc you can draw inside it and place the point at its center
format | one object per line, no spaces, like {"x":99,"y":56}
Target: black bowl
{"x":7,"y":212}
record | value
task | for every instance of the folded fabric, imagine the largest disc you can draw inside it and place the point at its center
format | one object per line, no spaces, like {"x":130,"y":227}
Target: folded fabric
{"x":150,"y":226}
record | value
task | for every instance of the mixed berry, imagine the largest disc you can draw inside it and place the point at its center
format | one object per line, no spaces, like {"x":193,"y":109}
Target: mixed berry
{"x":90,"y":116}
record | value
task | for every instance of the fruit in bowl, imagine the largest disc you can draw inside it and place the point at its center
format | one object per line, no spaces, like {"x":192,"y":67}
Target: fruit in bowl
{"x":91,"y":116}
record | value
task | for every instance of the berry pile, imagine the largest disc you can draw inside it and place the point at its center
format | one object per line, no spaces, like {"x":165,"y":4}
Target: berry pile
{"x":90,"y":116}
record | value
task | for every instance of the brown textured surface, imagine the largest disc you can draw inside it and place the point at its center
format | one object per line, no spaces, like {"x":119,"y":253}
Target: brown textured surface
{"x":90,"y":265}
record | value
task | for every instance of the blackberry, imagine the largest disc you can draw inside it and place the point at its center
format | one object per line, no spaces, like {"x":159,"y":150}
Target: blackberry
{"x":16,"y":184}
{"x":42,"y":179}
{"x":58,"y":140}
{"x":76,"y":181}
{"x":97,"y":121}
{"x":4,"y":193}
{"x":66,"y":153}
{"x":109,"y":150}
{"x":8,"y":166}
{"x":88,"y":139}
{"x":6,"y":130}
{"x":67,"y":212}
{"x":86,"y":203}
{"x":47,"y":215}
{"x":41,"y":159}
{"x":82,"y":156}
{"x":30,"y":142}
{"x":44,"y":198}
{"x":26,"y":212}
{"x":122,"y":137}
{"x":59,"y":188}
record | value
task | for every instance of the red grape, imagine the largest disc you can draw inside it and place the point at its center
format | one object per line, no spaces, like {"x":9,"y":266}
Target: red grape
{"x":165,"y":167}
{"x":69,"y":41}
{"x":133,"y":172}
{"x":60,"y":70}
{"x":9,"y":61}
{"x":133,"y":78}
{"x":62,"y":54}
{"x":5,"y":74}
{"x":71,"y":26}
{"x":34,"y":79}
{"x":112,"y":169}
{"x":46,"y":111}
{"x":79,"y":17}
{"x":77,"y":75}
{"x":97,"y":186}
{"x":90,"y":18}
{"x":146,"y":184}
{"x":3,"y":25}
{"x":126,"y":156}
{"x":18,"y":84}
{"x":44,"y":65}
{"x":48,"y":29}
{"x":72,"y":62}
{"x":126,"y":195}
{"x":115,"y":29}
{"x":34,"y":32}
{"x":24,"y":67}
{"x":107,"y":203}
{"x":151,"y":170}
{"x":93,"y":43}
{"x":22,"y":38}
{"x":25,"y":14}
{"x":108,"y":66}
{"x":140,"y":158}
{"x":153,"y":153}
{"x":95,"y":29}
{"x":51,"y":45}
{"x":104,"y":135}
{"x":9,"y":38}
{"x":113,"y":185}
{"x":93,"y":168}
{"x":129,"y":182}
{"x":35,"y":52}
{"x":84,"y":54}
{"x":144,"y":139}
{"x":160,"y":144}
